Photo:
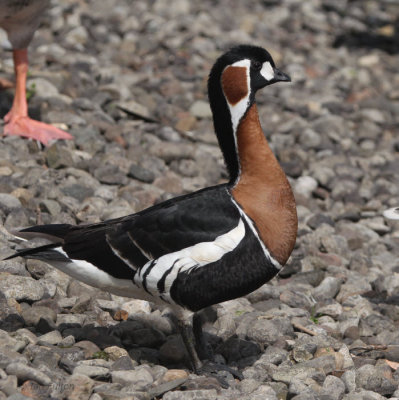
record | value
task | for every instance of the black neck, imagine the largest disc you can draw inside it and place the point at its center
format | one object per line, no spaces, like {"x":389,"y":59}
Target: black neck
{"x":224,"y":131}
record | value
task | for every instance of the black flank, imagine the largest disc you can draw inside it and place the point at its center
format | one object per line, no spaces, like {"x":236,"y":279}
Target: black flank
{"x":225,"y":279}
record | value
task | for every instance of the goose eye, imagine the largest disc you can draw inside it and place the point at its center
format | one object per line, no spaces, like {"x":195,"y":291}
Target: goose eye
{"x":256,"y":65}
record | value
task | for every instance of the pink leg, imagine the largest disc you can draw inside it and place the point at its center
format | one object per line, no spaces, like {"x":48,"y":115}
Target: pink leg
{"x":17,"y":120}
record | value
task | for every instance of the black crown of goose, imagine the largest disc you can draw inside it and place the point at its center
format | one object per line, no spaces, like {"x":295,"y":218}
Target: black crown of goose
{"x":191,"y":251}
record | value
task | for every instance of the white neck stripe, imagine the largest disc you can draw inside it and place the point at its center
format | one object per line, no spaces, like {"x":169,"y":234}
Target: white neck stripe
{"x":238,"y":110}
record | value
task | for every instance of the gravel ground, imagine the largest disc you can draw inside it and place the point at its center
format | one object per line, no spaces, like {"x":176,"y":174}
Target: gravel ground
{"x":128,"y":80}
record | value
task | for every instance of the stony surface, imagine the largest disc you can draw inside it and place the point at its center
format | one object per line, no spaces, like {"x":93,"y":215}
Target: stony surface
{"x":129,"y":83}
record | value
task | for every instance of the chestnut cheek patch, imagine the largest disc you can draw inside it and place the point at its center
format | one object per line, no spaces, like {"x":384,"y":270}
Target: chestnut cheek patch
{"x":234,"y":84}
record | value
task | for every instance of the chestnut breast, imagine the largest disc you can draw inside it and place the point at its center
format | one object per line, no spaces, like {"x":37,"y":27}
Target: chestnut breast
{"x":263,"y":190}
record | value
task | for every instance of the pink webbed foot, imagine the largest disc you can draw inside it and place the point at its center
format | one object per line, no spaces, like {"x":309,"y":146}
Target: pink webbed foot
{"x":27,"y":127}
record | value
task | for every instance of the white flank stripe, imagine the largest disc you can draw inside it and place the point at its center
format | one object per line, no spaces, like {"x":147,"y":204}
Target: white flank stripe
{"x":93,"y":276}
{"x":267,"y":71}
{"x":255,"y":232}
{"x":191,"y":257}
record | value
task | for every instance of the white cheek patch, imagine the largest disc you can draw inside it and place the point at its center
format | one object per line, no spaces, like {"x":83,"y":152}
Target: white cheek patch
{"x":267,"y":71}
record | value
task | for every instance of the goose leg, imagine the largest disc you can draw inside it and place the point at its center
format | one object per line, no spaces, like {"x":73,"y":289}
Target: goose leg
{"x":205,"y":352}
{"x":187,"y":333}
{"x":204,"y":349}
{"x":17,"y":121}
{"x":197,"y":346}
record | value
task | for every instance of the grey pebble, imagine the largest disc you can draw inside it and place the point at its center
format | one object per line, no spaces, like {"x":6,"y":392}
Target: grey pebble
{"x":191,"y":395}
{"x":140,"y":379}
{"x":18,"y":396}
{"x":94,"y":372}
{"x":21,"y":287}
{"x":141,"y":174}
{"x":53,"y":338}
{"x":24,"y":373}
{"x":8,"y":202}
{"x":333,"y":387}
{"x":371,"y":378}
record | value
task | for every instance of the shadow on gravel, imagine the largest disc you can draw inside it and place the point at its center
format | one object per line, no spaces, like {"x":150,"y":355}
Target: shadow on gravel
{"x":380,"y":34}
{"x":6,"y":97}
{"x":389,"y":44}
{"x":146,"y":343}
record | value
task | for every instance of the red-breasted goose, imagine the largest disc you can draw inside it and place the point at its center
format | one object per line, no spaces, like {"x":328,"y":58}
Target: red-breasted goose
{"x":206,"y":247}
{"x":20,"y":19}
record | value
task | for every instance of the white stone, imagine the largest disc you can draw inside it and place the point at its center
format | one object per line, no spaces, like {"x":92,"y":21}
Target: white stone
{"x":137,"y":307}
{"x":305,"y":185}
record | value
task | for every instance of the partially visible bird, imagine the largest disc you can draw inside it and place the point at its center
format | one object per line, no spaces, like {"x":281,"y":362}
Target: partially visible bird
{"x":202,"y":248}
{"x":392,"y":213}
{"x":20,"y":19}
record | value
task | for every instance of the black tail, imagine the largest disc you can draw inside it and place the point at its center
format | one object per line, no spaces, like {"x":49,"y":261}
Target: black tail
{"x":44,"y":253}
{"x":53,"y":232}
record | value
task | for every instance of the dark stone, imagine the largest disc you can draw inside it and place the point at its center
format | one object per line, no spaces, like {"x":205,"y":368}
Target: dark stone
{"x":351,"y":215}
{"x":46,"y":357}
{"x":111,"y":175}
{"x":37,"y":268}
{"x":141,"y":174}
{"x":69,"y":355}
{"x":58,"y":156}
{"x":159,"y":390}
{"x":173,"y":350}
{"x":318,"y":219}
{"x":78,"y":191}
{"x":7,"y":356}
{"x":267,"y":305}
{"x":314,"y":278}
{"x":202,"y":382}
{"x":290,"y":269}
{"x":360,"y":361}
{"x":352,"y":332}
{"x":122,"y":364}
{"x":292,"y":168}
{"x":10,"y":319}
{"x":235,"y":349}
{"x":49,"y":303}
{"x":147,"y":338}
{"x":98,"y":335}
{"x":65,"y":326}
{"x":152,"y":356}
{"x":392,"y":353}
